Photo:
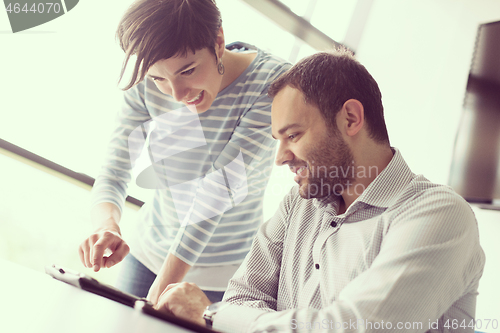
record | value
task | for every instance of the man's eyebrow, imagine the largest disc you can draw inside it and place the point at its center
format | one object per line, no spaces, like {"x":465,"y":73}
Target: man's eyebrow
{"x":286,"y":128}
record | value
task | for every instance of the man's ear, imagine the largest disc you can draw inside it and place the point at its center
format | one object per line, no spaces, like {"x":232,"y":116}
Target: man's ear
{"x":354,"y":115}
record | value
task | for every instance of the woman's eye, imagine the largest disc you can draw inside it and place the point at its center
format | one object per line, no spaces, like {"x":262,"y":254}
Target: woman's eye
{"x":188,"y":72}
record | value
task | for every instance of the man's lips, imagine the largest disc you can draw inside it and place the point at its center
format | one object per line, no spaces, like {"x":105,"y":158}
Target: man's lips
{"x":296,"y":169}
{"x":299,"y":172}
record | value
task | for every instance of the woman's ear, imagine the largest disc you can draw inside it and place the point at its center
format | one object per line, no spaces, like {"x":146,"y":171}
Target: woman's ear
{"x":354,"y":115}
{"x":220,"y":45}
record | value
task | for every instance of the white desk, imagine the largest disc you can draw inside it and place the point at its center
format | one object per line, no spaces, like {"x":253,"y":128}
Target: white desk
{"x":35,"y":302}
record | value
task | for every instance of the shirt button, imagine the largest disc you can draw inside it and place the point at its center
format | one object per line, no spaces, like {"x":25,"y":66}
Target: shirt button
{"x":317,"y":266}
{"x":333,"y":224}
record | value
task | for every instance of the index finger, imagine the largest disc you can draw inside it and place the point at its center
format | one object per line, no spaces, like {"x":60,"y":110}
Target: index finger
{"x":98,"y":252}
{"x":117,"y":255}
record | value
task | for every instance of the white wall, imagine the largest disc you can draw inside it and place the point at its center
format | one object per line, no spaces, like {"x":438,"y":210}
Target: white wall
{"x":419,"y":52}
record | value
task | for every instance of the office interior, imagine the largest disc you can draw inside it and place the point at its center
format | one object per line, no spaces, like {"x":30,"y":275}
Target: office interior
{"x":60,"y":97}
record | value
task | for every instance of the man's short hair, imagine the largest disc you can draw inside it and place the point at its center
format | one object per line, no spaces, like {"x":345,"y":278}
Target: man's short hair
{"x":154,"y":30}
{"x":328,"y":80}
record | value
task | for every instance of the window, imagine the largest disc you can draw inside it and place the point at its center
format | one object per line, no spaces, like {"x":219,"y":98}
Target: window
{"x":59,"y":93}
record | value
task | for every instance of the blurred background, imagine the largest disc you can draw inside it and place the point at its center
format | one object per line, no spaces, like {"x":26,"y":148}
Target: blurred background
{"x":59,"y":98}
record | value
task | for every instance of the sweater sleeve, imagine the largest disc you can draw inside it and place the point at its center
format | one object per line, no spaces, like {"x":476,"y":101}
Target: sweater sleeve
{"x":124,"y":148}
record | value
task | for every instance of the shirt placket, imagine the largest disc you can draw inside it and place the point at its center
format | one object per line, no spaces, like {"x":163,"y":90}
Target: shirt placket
{"x":330,"y":225}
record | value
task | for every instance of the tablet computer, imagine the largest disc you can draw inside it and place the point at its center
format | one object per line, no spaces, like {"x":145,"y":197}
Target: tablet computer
{"x":90,"y":284}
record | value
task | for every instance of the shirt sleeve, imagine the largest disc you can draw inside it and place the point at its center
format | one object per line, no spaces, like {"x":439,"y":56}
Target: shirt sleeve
{"x":242,"y":169}
{"x":253,"y":290}
{"x":123,"y":149}
{"x":429,"y":258}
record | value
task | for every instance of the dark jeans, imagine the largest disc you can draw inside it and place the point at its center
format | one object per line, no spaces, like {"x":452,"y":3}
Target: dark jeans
{"x":136,"y":279}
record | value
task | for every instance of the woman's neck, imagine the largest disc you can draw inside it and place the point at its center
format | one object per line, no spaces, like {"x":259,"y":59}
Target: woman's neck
{"x":234,"y":63}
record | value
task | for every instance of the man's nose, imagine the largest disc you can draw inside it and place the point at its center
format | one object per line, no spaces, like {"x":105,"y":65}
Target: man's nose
{"x":284,"y":155}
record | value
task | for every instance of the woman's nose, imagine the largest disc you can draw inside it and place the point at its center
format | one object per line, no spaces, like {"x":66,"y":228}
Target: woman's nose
{"x":177,"y":90}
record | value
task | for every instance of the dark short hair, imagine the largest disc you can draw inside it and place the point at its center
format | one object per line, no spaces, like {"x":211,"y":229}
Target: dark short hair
{"x":328,"y":80}
{"x":154,"y":30}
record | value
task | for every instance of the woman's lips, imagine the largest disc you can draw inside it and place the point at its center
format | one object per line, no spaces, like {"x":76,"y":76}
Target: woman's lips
{"x":197,"y":100}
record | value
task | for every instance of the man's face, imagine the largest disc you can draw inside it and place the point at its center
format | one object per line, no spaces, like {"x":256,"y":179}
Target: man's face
{"x":317,"y":154}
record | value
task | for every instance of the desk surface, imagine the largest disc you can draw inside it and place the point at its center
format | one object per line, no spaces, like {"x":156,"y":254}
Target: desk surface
{"x":35,"y":302}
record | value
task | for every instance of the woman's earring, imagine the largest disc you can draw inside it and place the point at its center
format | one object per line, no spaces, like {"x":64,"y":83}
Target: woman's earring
{"x":220,"y":68}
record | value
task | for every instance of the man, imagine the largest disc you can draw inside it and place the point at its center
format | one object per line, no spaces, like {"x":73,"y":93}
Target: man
{"x":362,"y":243}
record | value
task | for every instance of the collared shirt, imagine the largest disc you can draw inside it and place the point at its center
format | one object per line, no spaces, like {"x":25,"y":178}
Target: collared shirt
{"x":405,"y":256}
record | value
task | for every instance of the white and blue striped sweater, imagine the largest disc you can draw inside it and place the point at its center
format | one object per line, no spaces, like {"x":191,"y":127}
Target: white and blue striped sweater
{"x":210,"y":170}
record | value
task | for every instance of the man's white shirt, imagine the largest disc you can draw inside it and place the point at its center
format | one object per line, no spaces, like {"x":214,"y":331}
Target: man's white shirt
{"x":405,"y":257}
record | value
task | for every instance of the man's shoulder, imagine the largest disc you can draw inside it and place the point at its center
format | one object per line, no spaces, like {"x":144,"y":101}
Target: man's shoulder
{"x":420,"y":189}
{"x":423,"y":197}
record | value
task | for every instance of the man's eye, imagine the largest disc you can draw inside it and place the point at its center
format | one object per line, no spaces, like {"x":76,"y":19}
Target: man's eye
{"x":292,"y":136}
{"x":188,"y":72}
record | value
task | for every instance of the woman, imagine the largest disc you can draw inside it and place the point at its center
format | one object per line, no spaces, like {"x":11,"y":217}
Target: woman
{"x":211,"y":151}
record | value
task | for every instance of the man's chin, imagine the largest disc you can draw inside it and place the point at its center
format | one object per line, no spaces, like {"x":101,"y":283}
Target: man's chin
{"x":306,"y":191}
{"x":304,"y":195}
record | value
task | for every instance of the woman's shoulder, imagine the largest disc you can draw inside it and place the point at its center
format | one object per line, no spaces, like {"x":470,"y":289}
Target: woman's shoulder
{"x":269,"y":60}
{"x":263,"y":59}
{"x":266,"y":67}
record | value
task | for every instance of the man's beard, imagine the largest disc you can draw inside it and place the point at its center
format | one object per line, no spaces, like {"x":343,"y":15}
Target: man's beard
{"x":330,"y":168}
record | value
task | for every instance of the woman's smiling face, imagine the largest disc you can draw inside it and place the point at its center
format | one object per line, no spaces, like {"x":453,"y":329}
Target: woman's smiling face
{"x":192,"y":79}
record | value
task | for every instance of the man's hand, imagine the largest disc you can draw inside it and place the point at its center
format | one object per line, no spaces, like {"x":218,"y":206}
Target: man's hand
{"x":172,"y":271}
{"x":184,"y":300}
{"x":156,"y":290}
{"x":92,"y":250}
